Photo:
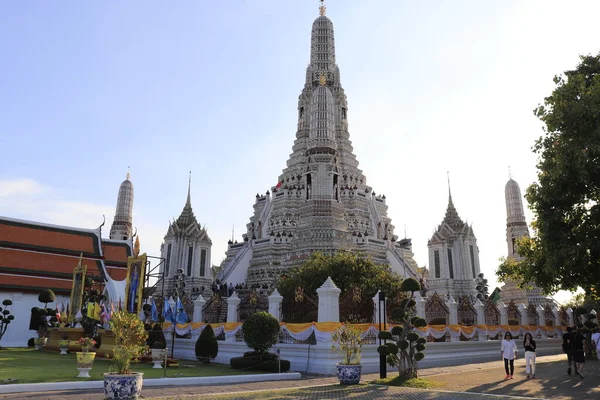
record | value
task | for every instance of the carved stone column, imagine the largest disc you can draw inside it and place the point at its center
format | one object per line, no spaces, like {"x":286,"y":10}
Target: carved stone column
{"x":198,"y":305}
{"x":329,"y":302}
{"x":275,"y":304}
{"x":232,"y":307}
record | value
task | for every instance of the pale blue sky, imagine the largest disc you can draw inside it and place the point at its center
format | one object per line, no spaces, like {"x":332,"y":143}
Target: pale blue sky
{"x":88,"y":88}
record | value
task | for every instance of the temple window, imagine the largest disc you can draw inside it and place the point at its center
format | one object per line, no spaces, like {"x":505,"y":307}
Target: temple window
{"x":472,"y":261}
{"x":168,"y":260}
{"x":202,"y":262}
{"x":450,"y":266}
{"x":436,"y":263}
{"x":190,"y":259}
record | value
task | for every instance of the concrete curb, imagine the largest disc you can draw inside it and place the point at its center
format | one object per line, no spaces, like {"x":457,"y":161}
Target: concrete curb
{"x":187,"y":381}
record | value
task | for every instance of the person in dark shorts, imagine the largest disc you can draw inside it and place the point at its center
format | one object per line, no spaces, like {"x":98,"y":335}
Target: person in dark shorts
{"x":567,"y":347}
{"x":578,"y":344}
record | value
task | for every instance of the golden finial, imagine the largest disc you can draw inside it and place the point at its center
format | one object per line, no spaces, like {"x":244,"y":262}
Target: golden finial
{"x":136,"y":247}
{"x":128,"y":173}
{"x":322,"y":8}
{"x":322,"y":80}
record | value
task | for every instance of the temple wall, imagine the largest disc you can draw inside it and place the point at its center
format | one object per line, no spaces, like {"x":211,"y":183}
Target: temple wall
{"x":18,"y":331}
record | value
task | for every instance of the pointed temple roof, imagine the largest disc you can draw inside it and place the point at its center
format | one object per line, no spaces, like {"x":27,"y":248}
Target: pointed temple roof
{"x":187,"y":217}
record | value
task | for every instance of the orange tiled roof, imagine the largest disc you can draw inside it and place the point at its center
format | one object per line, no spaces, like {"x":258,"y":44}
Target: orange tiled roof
{"x":116,"y":253}
{"x":33,"y":283}
{"x":37,"y":236}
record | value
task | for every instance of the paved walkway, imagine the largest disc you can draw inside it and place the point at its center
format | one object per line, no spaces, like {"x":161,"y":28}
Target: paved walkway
{"x":472,"y":381}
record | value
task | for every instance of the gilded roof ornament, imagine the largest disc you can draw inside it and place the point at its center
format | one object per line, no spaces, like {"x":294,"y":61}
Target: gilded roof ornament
{"x":128,"y":173}
{"x":322,"y":8}
{"x":322,"y":80}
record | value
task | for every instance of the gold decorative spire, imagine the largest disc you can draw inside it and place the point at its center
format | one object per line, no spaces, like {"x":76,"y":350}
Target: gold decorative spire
{"x":322,"y":8}
{"x":322,"y":80}
{"x":128,"y":172}
{"x":136,"y":247}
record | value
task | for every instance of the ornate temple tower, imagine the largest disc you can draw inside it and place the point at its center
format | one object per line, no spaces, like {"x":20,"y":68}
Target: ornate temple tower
{"x":187,"y":247}
{"x":121,"y":228}
{"x":321,"y":200}
{"x":516,"y":227}
{"x":453,"y":256}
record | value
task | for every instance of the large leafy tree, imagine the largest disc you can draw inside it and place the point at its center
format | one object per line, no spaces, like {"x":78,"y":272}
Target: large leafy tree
{"x":358,"y":277}
{"x":564,"y":252}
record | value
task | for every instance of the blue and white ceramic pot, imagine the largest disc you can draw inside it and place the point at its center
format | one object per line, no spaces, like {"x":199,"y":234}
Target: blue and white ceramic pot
{"x":123,"y":387}
{"x":349,"y":374}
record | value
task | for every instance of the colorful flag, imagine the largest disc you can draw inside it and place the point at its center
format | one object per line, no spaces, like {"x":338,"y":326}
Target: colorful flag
{"x":57,"y":314}
{"x":154,"y":312}
{"x":278,"y":185}
{"x":168,"y":312}
{"x":182,"y":317}
{"x":104,"y":317}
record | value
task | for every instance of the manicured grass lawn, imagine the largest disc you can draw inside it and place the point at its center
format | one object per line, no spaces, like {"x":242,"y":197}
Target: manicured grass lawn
{"x":30,"y":366}
{"x":418,"y":383}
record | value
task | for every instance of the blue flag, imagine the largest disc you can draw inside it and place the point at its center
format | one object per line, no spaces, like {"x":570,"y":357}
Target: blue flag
{"x":154,"y":312}
{"x":168,"y":314}
{"x":182,"y":317}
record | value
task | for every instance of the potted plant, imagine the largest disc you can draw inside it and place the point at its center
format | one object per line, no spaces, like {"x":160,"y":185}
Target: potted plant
{"x":349,"y":347}
{"x":63,"y":344}
{"x":158,"y":353}
{"x":130,"y":340}
{"x":85,"y":358}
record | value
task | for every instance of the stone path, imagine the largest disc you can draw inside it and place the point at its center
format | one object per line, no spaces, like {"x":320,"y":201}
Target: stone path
{"x":472,"y":381}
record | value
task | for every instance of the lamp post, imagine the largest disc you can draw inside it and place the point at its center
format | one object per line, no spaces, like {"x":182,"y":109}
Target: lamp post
{"x":178,"y":291}
{"x":382,"y":366}
{"x":481,"y":287}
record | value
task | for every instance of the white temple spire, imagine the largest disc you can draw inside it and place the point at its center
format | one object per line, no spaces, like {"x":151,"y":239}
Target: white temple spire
{"x":121,"y":228}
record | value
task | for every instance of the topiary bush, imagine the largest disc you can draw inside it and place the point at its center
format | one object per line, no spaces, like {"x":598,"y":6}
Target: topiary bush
{"x":46,"y":296}
{"x":5,"y":317}
{"x":207,"y":346}
{"x":405,"y":347}
{"x":272,"y":365}
{"x":261,"y":331}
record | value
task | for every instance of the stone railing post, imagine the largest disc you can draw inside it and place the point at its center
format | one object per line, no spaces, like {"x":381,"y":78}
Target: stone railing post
{"x":376,"y":304}
{"x":329,"y":302}
{"x":541,"y":320}
{"x":453,"y":307}
{"x":198,"y":306}
{"x":232,"y":307}
{"x":570,"y":319}
{"x":556,"y":314}
{"x":480,"y":309}
{"x":453,"y":317}
{"x":420,"y":306}
{"x":275,"y":304}
{"x":524,"y":317}
{"x":503,"y":313}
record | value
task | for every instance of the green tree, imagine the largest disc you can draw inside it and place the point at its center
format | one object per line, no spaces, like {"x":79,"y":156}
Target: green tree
{"x":349,"y":271}
{"x":564,"y":252}
{"x":261,"y":331}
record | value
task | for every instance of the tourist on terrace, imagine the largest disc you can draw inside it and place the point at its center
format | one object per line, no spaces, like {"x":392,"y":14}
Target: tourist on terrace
{"x":508,"y":352}
{"x":568,"y":347}
{"x":529,"y":345}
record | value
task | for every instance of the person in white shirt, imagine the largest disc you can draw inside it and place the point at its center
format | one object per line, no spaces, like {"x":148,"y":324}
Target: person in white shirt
{"x":508,"y":352}
{"x":596,"y":342}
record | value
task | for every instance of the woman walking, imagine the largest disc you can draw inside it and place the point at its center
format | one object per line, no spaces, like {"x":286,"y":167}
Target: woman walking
{"x":508,"y":352}
{"x":529,"y":345}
